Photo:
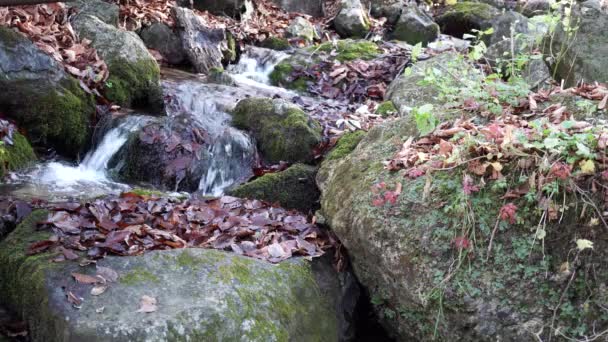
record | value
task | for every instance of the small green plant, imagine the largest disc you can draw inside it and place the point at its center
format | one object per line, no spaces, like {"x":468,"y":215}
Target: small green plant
{"x":426,"y":122}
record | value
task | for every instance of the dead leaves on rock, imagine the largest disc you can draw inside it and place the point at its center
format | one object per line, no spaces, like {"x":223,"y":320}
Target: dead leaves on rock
{"x":131,"y":224}
{"x":48,"y":26}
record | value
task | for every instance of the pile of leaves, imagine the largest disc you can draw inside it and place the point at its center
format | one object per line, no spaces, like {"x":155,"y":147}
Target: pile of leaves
{"x":7,"y":129}
{"x":357,"y":80}
{"x":135,"y":14}
{"x":131,"y":224}
{"x":48,"y":26}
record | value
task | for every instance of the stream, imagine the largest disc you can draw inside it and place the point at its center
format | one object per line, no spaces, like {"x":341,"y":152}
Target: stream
{"x":233,"y":153}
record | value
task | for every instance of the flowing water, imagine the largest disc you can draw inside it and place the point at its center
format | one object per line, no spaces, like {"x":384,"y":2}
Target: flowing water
{"x":233,"y":152}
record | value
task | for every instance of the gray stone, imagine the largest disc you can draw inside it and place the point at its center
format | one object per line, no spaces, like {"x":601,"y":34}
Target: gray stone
{"x":507,"y":25}
{"x":204,"y":46}
{"x":105,"y":11}
{"x":41,"y":97}
{"x":163,"y":39}
{"x":582,"y":55}
{"x":302,"y":28}
{"x":352,"y":20}
{"x":202,"y":295}
{"x":134,"y":73}
{"x":311,"y":7}
{"x":463,"y":17}
{"x":415,"y":26}
{"x":231,"y":8}
{"x":531,"y":8}
{"x":389,"y":9}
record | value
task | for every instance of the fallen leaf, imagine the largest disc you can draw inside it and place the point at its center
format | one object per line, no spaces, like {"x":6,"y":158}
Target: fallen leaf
{"x":147,"y":304}
{"x":85,"y":279}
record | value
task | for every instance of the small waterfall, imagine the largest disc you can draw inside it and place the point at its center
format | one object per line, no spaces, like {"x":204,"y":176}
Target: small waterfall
{"x":256,"y":64}
{"x":89,"y":178}
{"x":233,"y":153}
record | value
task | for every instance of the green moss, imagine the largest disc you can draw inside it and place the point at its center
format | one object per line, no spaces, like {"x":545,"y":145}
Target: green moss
{"x":23,"y":278}
{"x":138,"y":276}
{"x":283,"y":132}
{"x":230,"y":54}
{"x":349,"y":50}
{"x":281,"y":77}
{"x":9,"y":37}
{"x":275,"y":43}
{"x":474,"y":9}
{"x":147,"y":192}
{"x":134,"y":84}
{"x":347,"y":143}
{"x":293,"y":188}
{"x":16,"y":156}
{"x":386,"y":108}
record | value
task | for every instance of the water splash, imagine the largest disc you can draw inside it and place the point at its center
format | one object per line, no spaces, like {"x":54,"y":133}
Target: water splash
{"x":257,"y":64}
{"x":89,"y":178}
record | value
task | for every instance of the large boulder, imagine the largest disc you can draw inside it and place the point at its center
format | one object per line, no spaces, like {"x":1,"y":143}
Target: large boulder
{"x":134,"y":79}
{"x":201,"y":295}
{"x":352,"y":20}
{"x":282,"y":130}
{"x":311,"y":7}
{"x":582,"y":54}
{"x":427,"y":282}
{"x":205,"y":47}
{"x":302,"y":28}
{"x":41,"y":97}
{"x":294,"y":188}
{"x":415,"y":26}
{"x":160,"y":37}
{"x":106,"y":11}
{"x":410,"y":89}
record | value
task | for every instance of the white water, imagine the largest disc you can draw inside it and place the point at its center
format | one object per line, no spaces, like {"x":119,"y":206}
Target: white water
{"x":89,"y":178}
{"x":256,"y":64}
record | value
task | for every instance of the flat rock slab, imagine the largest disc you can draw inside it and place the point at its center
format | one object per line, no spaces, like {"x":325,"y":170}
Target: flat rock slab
{"x":201,"y":295}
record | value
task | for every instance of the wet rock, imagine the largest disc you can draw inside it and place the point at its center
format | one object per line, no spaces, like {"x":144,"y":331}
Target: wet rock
{"x":311,"y":7}
{"x":134,"y":79}
{"x":466,"y":16}
{"x":294,"y":188}
{"x":415,"y":26}
{"x":16,"y":156}
{"x":282,"y":130}
{"x":200,"y":295}
{"x":274,"y":43}
{"x":302,"y":28}
{"x":40,"y":97}
{"x":163,"y":39}
{"x":389,"y":9}
{"x":219,"y":76}
{"x":403,"y":253}
{"x":205,"y":47}
{"x":352,"y":20}
{"x":104,"y":11}
{"x":584,"y":56}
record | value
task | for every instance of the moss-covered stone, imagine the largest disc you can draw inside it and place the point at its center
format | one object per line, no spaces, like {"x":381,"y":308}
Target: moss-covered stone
{"x":293,"y":188}
{"x":281,"y":76}
{"x":466,"y":16}
{"x":415,"y":26}
{"x":350,"y":50}
{"x":18,"y":155}
{"x":201,"y":295}
{"x":386,"y":109}
{"x":347,"y":143}
{"x":41,"y":98}
{"x":352,"y":19}
{"x":134,"y":83}
{"x":276,"y":43}
{"x":283,"y":131}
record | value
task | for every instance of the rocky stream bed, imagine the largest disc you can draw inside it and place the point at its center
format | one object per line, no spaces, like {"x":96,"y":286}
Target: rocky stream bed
{"x":344,"y":170}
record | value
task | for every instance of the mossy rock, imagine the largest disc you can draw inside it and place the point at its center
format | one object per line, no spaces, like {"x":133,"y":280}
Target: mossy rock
{"x":464,"y":17}
{"x":281,"y":76}
{"x":294,"y":188}
{"x":41,"y":98}
{"x":16,"y":156}
{"x":275,"y":43}
{"x":283,"y":131}
{"x":134,"y":79}
{"x":386,"y":109}
{"x":415,"y":26}
{"x":350,"y":50}
{"x":202,"y":295}
{"x":406,"y":257}
{"x":345,"y":145}
{"x":352,"y":20}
